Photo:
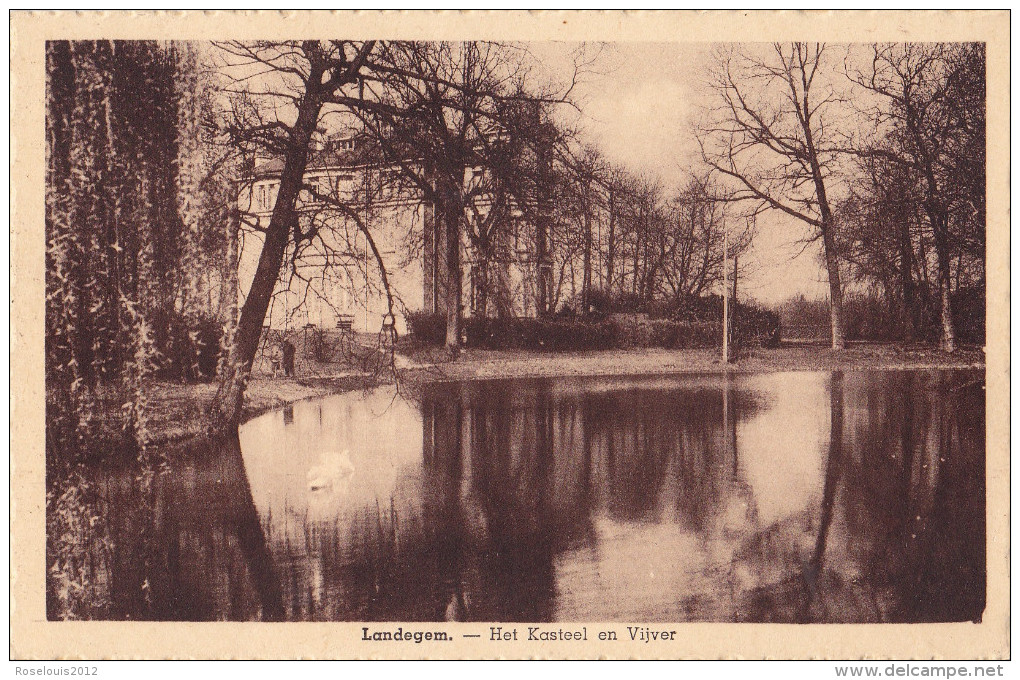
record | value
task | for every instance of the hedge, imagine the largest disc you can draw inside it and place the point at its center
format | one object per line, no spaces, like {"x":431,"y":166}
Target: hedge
{"x":755,"y":325}
{"x":753,"y":328}
{"x":429,"y":329}
{"x":969,"y":314}
{"x":548,"y":334}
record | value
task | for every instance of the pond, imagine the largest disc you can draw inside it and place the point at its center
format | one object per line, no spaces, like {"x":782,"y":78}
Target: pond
{"x":786,"y":497}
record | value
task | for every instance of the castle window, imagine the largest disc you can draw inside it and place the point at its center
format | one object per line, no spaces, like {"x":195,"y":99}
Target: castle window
{"x":320,"y":185}
{"x":345,"y":186}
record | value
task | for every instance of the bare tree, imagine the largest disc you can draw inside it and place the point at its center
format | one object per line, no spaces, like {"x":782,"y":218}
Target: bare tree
{"x":590,"y":176}
{"x":448,"y":109}
{"x":701,"y":216}
{"x":429,"y":108}
{"x":308,"y":75}
{"x":883,"y":240}
{"x":931,"y":112}
{"x":769,"y":131}
{"x":616,"y":190}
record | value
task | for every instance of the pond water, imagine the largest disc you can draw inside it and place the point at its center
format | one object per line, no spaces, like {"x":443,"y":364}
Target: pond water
{"x":792,"y":497}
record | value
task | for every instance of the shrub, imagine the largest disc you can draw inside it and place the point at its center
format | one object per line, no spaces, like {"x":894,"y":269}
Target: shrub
{"x":548,"y":334}
{"x":969,"y":315}
{"x":697,"y":335}
{"x":705,"y":309}
{"x":628,"y":303}
{"x":427,"y":328}
{"x":663,"y":309}
{"x":662,"y":333}
{"x":567,"y":311}
{"x":602,"y":303}
{"x":189,"y":345}
{"x":756,"y":326}
{"x":753,"y":325}
{"x":867,"y":317}
{"x":637,"y":330}
{"x":629,"y":330}
{"x":698,"y":329}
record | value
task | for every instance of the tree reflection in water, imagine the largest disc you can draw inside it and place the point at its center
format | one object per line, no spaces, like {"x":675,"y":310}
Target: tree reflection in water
{"x":787,"y":497}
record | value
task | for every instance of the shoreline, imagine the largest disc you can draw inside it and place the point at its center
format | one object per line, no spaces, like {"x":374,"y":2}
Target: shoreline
{"x":178,"y":411}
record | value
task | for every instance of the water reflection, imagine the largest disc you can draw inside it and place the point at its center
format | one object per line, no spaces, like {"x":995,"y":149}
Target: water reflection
{"x":799,"y":497}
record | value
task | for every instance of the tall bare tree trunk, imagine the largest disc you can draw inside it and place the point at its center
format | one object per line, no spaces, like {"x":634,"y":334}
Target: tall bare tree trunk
{"x":828,"y":238}
{"x":835,"y":289}
{"x":544,"y":273}
{"x":940,"y":230}
{"x":911,"y":311}
{"x":480,"y":303}
{"x":430,"y":256}
{"x":586,"y":275}
{"x":226,"y":409}
{"x":611,"y":245}
{"x":451,"y":280}
{"x":637,"y":262}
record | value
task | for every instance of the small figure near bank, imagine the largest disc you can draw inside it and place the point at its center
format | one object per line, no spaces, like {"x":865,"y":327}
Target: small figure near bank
{"x":275,"y":361}
{"x":288,"y":358}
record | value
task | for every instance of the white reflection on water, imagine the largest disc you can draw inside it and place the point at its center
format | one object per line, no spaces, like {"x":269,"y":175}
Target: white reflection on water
{"x":776,"y":457}
{"x":782,"y":447}
{"x":365,"y":444}
{"x":642,"y":499}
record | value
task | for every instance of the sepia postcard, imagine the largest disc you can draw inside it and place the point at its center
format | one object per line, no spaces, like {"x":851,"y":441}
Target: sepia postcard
{"x":502,"y":335}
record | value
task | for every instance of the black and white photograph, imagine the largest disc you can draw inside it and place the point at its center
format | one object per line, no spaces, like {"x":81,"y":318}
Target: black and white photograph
{"x":516,"y":340}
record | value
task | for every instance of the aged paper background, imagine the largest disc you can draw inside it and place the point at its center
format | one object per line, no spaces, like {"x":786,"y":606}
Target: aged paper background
{"x":32,"y":637}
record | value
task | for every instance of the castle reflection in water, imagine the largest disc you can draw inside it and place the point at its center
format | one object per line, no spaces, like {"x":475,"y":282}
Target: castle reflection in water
{"x":793,"y":497}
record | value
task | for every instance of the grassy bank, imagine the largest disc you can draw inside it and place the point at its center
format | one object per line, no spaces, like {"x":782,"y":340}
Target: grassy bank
{"x":427,"y":364}
{"x":177,"y":411}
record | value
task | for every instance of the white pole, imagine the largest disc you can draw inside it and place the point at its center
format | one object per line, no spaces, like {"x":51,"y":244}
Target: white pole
{"x":726,"y":298}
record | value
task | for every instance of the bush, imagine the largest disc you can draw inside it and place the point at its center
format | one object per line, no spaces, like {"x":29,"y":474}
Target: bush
{"x":427,"y":328}
{"x":663,"y":309}
{"x":637,"y":330}
{"x":602,"y":303}
{"x":867,"y":317}
{"x":969,"y":315}
{"x":699,"y":328}
{"x":557,"y":333}
{"x":753,"y":325}
{"x":189,"y":345}
{"x":561,"y":334}
{"x":708,"y":308}
{"x":756,"y":326}
{"x":697,"y":335}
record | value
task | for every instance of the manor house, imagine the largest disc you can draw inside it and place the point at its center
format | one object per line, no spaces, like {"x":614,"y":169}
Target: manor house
{"x":335,"y":276}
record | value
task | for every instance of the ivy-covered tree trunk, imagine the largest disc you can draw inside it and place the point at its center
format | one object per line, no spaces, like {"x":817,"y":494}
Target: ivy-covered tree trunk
{"x":117,"y":273}
{"x":115,"y":238}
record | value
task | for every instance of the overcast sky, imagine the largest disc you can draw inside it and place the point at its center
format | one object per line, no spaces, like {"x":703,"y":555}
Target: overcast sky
{"x":639,"y":107}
